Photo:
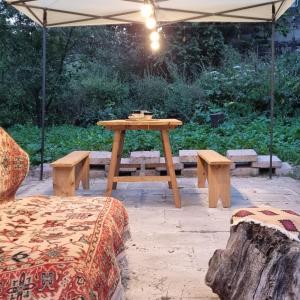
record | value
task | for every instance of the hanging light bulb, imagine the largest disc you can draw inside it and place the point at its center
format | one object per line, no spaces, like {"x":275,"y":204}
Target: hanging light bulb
{"x":154,"y":36}
{"x":155,"y":45}
{"x":151,"y":23}
{"x":146,"y":10}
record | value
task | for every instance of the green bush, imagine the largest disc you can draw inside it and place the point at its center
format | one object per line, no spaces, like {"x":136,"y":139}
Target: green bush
{"x":239,"y":133}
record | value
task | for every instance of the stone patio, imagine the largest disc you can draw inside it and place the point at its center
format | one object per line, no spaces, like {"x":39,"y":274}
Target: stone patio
{"x":170,"y":248}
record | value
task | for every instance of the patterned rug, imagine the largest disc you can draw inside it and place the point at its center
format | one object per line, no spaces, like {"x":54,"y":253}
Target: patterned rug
{"x":286,"y":221}
{"x":62,"y":248}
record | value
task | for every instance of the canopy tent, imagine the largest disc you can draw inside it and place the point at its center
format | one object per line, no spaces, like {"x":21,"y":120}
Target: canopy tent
{"x":102,"y":12}
{"x":60,"y":13}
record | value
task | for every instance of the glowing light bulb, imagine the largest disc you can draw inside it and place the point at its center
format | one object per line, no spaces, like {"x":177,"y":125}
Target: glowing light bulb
{"x":146,"y":10}
{"x":155,"y":45}
{"x":154,"y":36}
{"x":151,"y":23}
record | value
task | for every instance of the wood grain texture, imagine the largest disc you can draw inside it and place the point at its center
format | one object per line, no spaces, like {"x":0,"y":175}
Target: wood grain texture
{"x":69,"y":171}
{"x":64,"y":181}
{"x":213,"y":158}
{"x":154,"y":124}
{"x":71,"y":159}
{"x":214,"y":168}
{"x":258,"y":263}
{"x":170,"y":167}
{"x":114,"y":161}
{"x":140,"y":178}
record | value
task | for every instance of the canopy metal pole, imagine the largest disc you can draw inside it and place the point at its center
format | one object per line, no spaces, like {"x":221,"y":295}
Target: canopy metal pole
{"x":43,"y":94}
{"x":272,"y":89}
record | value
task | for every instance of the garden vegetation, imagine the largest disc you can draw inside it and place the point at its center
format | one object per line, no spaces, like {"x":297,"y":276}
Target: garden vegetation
{"x":106,"y":72}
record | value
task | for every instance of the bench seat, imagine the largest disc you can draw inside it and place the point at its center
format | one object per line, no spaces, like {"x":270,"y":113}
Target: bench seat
{"x":215,"y":168}
{"x":69,"y":171}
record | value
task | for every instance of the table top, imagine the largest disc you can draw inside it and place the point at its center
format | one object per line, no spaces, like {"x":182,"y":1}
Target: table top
{"x":153,"y":124}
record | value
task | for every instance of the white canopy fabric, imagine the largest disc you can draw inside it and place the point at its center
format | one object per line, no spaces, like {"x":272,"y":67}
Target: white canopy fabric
{"x":104,"y":12}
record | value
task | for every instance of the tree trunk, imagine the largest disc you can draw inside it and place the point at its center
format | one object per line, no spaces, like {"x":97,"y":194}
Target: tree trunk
{"x":258,"y":263}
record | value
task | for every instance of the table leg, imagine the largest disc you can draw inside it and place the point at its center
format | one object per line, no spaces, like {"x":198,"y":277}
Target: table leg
{"x":170,"y":166}
{"x":114,"y":162}
{"x":164,"y":149}
{"x":121,"y":144}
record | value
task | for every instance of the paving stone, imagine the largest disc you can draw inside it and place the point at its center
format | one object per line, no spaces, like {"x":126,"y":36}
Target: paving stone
{"x":100,"y":157}
{"x":147,"y":172}
{"x":47,"y":171}
{"x":245,"y":172}
{"x":285,"y":169}
{"x":126,"y":169}
{"x":296,"y":172}
{"x":186,"y":156}
{"x":144,"y":157}
{"x":176,"y":162}
{"x":242,"y":155}
{"x":190,"y":172}
{"x":97,"y":173}
{"x":263,"y":162}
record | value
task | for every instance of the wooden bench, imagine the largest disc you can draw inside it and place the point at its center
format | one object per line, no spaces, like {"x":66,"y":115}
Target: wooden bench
{"x":216,"y":169}
{"x":69,"y":171}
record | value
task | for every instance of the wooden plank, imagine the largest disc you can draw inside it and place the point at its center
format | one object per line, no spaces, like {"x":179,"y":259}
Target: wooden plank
{"x":78,"y":174}
{"x":153,"y":122}
{"x":164,"y":150}
{"x":113,"y":162}
{"x":201,"y":173}
{"x":219,"y":185}
{"x":64,"y":181}
{"x":170,"y":167}
{"x":85,"y":176}
{"x":119,"y":156}
{"x":71,"y":159}
{"x":140,"y":178}
{"x":213,"y":158}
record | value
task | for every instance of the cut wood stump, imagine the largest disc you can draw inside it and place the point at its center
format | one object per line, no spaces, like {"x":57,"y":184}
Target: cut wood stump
{"x":258,"y":263}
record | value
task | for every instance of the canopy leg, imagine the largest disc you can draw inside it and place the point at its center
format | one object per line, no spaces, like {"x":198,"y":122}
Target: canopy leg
{"x":272,"y":90}
{"x":43,"y":94}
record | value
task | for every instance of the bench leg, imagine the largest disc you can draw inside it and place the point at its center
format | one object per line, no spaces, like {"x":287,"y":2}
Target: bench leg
{"x":85,"y":175}
{"x":64,"y":181}
{"x":78,"y":175}
{"x":219,"y":185}
{"x":201,"y":172}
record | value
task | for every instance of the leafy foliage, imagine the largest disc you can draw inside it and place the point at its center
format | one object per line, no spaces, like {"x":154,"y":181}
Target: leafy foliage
{"x":233,"y":134}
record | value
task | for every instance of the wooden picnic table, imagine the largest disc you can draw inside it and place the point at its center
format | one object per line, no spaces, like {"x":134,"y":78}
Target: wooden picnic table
{"x":119,"y":127}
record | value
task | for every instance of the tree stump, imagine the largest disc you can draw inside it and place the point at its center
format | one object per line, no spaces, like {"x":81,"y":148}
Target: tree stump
{"x":258,"y":263}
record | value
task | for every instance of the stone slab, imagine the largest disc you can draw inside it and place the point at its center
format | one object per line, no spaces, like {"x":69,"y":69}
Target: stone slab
{"x":285,"y":170}
{"x":242,"y":155}
{"x":263,"y":162}
{"x":245,"y":172}
{"x":232,"y":166}
{"x":146,"y":172}
{"x":186,"y":156}
{"x":144,"y":157}
{"x":176,"y":162}
{"x":97,"y":173}
{"x":126,"y":161}
{"x":100,"y":157}
{"x":190,"y":172}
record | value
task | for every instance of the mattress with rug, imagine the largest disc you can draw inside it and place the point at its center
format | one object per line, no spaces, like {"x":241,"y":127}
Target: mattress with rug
{"x":62,"y":248}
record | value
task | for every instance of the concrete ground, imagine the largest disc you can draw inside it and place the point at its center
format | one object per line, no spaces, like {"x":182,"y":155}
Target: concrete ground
{"x":170,"y":248}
